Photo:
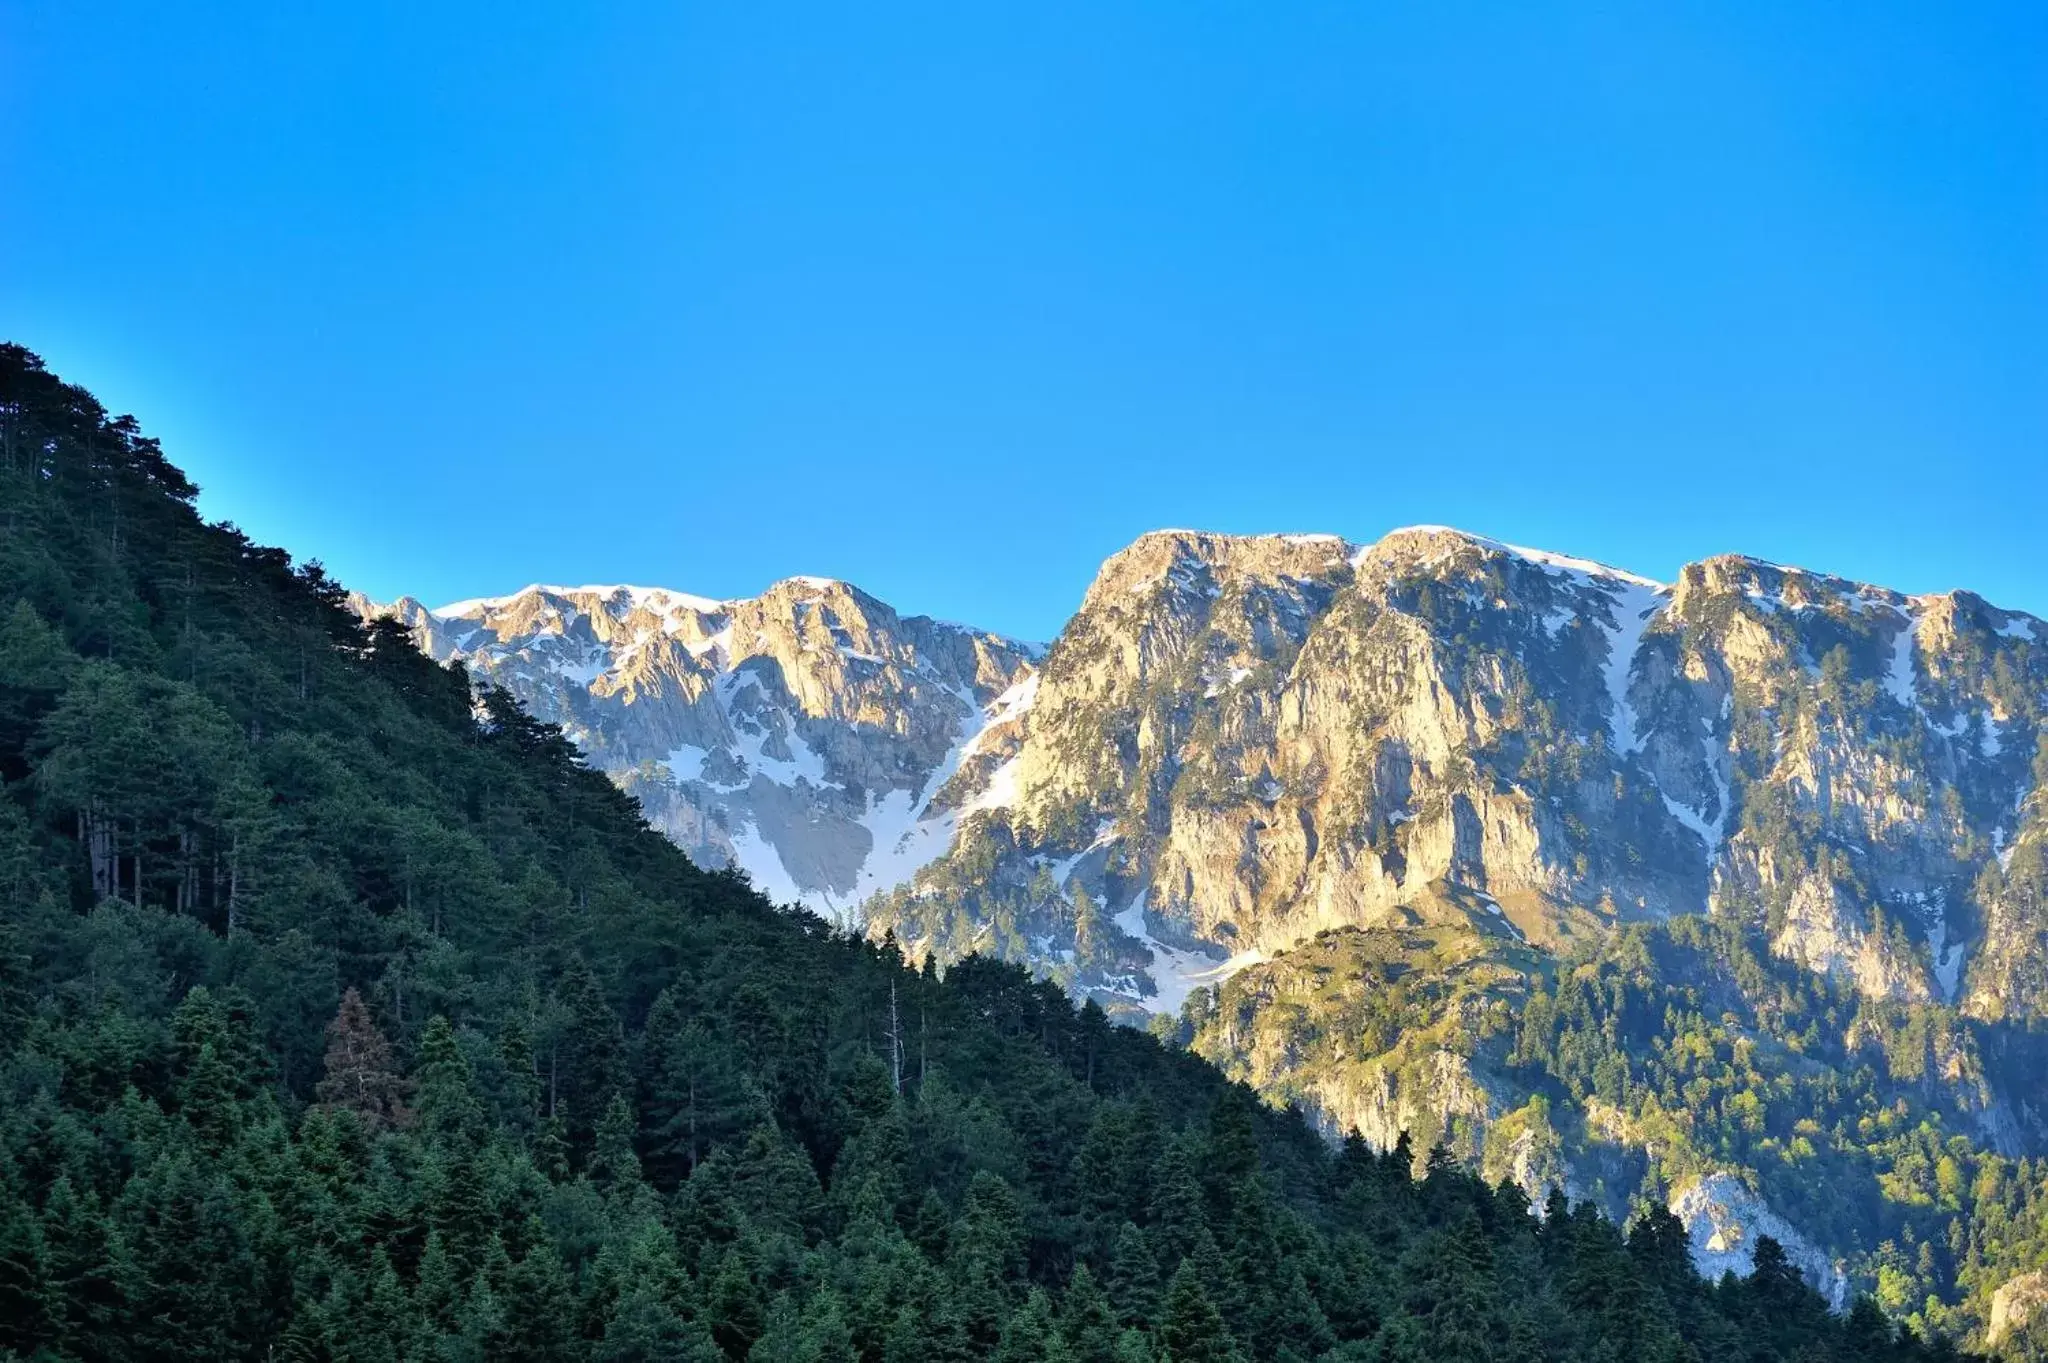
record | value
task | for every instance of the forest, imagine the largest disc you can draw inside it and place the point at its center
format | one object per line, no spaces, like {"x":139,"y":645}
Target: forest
{"x":344,"y":1014}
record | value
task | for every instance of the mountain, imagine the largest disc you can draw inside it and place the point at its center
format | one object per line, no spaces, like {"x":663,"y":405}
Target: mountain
{"x":808,"y":734}
{"x":345,"y":1013}
{"x":1239,"y":742}
{"x":1258,"y":739}
{"x":1419,"y":835}
{"x":1385,"y":829}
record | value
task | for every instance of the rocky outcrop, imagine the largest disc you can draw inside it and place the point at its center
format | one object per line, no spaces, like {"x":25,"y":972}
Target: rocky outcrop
{"x":1241,"y":741}
{"x":2019,"y":1307}
{"x":1724,"y":1220}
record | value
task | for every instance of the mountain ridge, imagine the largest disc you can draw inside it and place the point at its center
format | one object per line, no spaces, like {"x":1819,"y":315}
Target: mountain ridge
{"x":1765,"y":582}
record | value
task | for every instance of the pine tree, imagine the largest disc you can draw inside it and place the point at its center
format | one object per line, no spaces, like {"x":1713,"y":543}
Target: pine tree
{"x":459,"y":1209}
{"x":207,"y":1099}
{"x":733,"y":1307}
{"x":447,"y":1108}
{"x":1191,"y":1329}
{"x":1135,"y":1346}
{"x":1094,"y":935}
{"x":694,"y":1092}
{"x":1031,"y":1335}
{"x":442,"y":1284}
{"x":1231,"y":1153}
{"x":191,"y":1263}
{"x":588,"y":1064}
{"x":25,"y":1296}
{"x":370,"y":1318}
{"x":1178,"y":1216}
{"x":1088,"y":1321}
{"x":1134,"y":1278}
{"x":521,"y":1097}
{"x":989,"y":1236}
{"x":643,"y":1328}
{"x":539,"y":1302}
{"x":614,"y":1165}
{"x":85,"y":1271}
{"x":825,"y":1337}
{"x":359,"y":1074}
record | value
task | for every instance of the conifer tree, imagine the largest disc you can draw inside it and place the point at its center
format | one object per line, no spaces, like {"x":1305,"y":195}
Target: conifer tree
{"x":1088,"y":1323}
{"x":447,"y":1108}
{"x":25,"y":1297}
{"x":540,"y":1301}
{"x":614,"y":1165}
{"x":1031,"y":1335}
{"x":1178,"y":1216}
{"x":588,"y":1064}
{"x":1191,"y":1329}
{"x":694,"y":1091}
{"x":85,"y":1271}
{"x":359,"y":1074}
{"x":1134,"y":1277}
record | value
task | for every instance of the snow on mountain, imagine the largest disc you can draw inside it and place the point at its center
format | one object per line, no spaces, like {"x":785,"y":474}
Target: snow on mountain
{"x":803,"y":735}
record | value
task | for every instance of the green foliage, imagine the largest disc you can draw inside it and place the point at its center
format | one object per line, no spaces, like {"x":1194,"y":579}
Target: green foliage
{"x":1671,"y":1051}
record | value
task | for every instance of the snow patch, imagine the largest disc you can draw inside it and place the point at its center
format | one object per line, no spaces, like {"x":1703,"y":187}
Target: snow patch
{"x":906,"y":834}
{"x":1948,"y":958}
{"x":1177,"y":973}
{"x":761,"y":861}
{"x":1634,"y":607}
{"x":585,"y":672}
{"x":1582,"y":566}
{"x":1709,"y":833}
{"x":1898,"y":678}
{"x":686,"y":763}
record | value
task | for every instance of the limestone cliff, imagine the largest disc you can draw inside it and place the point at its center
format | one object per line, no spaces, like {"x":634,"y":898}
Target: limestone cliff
{"x":1261,"y":738}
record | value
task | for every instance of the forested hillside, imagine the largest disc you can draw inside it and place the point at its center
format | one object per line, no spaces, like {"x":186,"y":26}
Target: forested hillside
{"x":346,"y":1016}
{"x":1679,"y":1061}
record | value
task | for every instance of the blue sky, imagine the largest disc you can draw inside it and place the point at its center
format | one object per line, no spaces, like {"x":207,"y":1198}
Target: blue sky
{"x":954,"y":300}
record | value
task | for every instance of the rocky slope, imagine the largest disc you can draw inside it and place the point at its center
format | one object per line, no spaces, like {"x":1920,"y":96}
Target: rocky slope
{"x":1239,"y":742}
{"x":1257,"y":774}
{"x":803,"y":734}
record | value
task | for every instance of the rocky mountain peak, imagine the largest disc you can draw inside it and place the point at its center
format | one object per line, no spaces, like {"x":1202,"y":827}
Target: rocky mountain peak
{"x":803,"y":734}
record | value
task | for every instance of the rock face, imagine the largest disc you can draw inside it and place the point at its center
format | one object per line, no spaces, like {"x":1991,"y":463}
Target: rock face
{"x":2018,"y":1308}
{"x":803,"y":734}
{"x":1257,"y":739}
{"x":1239,"y":742}
{"x":1724,"y":1219}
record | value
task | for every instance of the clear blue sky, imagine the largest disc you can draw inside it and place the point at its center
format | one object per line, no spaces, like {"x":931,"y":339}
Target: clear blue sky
{"x":953,"y":300}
